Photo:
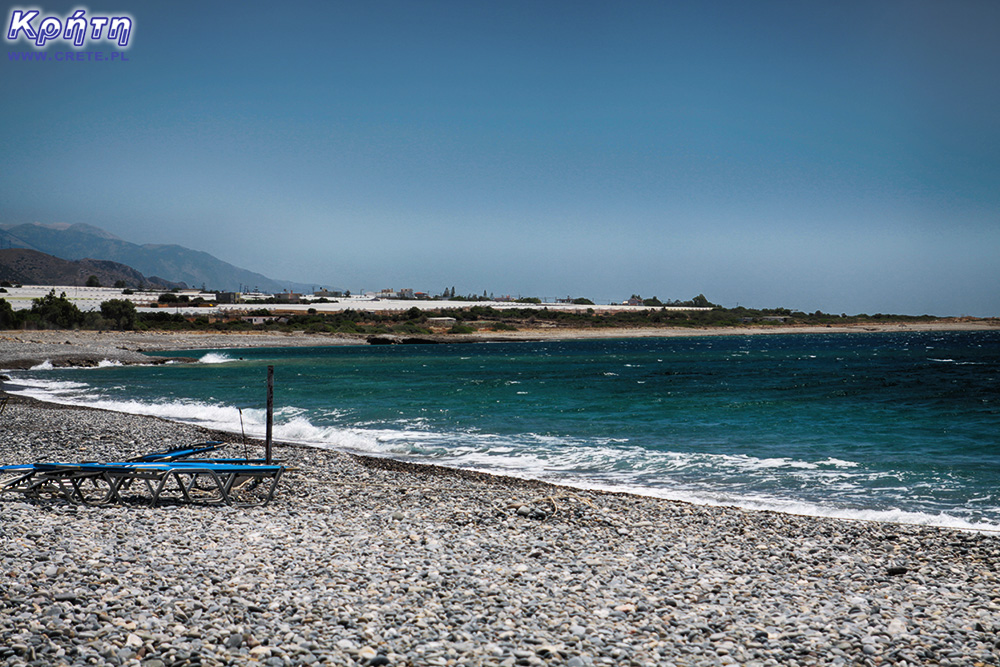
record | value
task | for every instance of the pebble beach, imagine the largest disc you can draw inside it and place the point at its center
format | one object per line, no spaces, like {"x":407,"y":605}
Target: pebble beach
{"x":361,"y":561}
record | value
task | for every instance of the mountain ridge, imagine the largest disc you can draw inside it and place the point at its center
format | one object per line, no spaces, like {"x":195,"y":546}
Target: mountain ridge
{"x":27,"y":266}
{"x":172,"y":262}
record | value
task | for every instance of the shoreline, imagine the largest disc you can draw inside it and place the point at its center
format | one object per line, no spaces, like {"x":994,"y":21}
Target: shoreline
{"x":24,"y":349}
{"x":84,"y":340}
{"x":388,"y":462}
{"x":375,"y":561}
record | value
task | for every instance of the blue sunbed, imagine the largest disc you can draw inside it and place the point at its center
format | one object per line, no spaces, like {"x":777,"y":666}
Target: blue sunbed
{"x":192,"y":481}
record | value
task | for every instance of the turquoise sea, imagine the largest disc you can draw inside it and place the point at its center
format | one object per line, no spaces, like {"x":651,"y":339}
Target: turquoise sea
{"x":888,"y":426}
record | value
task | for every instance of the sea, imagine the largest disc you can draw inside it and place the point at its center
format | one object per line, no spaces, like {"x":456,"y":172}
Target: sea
{"x":896,"y":427}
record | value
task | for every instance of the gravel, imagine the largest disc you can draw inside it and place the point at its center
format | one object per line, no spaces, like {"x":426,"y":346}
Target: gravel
{"x":24,"y":349}
{"x":362,"y":561}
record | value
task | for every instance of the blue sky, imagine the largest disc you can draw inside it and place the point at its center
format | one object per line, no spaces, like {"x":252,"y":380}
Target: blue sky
{"x":842,"y":156}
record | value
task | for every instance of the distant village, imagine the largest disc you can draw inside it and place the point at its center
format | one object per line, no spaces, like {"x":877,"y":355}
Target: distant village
{"x":90,"y":296}
{"x":373,"y":314}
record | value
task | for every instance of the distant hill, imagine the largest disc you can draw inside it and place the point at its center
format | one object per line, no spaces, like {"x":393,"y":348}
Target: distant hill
{"x":30,"y":267}
{"x":171,"y":262}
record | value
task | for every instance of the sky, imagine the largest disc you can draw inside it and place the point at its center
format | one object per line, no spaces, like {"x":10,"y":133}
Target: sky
{"x":814,"y":155}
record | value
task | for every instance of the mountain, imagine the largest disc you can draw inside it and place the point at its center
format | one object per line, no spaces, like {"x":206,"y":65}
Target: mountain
{"x":171,"y":262}
{"x":30,"y":267}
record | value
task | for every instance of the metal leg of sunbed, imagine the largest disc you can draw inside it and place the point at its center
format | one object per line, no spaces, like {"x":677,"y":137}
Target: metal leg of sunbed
{"x":273,"y":488}
{"x":16,"y":484}
{"x":78,"y":480}
{"x":187,"y":489}
{"x":222,"y":486}
{"x":56,"y":483}
{"x":120,"y":481}
{"x":258,"y":479}
{"x":184,"y":489}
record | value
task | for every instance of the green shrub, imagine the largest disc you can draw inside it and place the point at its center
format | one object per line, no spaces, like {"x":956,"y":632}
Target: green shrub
{"x":121,"y":312}
{"x":503,"y":326}
{"x":56,"y":311}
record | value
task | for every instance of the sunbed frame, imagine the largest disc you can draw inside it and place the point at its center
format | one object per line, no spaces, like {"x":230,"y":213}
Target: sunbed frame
{"x":160,"y":476}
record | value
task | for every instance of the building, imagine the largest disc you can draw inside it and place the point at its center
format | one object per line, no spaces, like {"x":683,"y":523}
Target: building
{"x":287,"y":297}
{"x":258,"y":319}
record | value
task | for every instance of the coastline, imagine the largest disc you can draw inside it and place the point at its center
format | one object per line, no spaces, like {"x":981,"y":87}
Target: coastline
{"x":374,"y":561}
{"x":24,"y":349}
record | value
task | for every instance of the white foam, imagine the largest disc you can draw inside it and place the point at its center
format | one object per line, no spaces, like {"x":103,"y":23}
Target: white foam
{"x":215,"y":358}
{"x":784,"y":506}
{"x":608,"y":464}
{"x":45,"y":390}
{"x":44,"y":366}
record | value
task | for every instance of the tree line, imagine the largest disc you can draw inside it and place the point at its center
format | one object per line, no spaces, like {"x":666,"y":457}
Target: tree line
{"x":58,"y":312}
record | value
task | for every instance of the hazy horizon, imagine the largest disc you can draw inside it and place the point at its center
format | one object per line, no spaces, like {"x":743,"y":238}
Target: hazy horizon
{"x":840,"y":157}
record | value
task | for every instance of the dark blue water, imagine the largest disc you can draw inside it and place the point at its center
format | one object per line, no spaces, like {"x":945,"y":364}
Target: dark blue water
{"x":899,"y":427}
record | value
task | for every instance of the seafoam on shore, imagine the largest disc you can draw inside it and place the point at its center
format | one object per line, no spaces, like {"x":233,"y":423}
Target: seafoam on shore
{"x":361,"y":561}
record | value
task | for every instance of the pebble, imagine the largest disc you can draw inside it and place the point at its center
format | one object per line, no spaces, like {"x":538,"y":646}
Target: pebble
{"x":377,"y":562}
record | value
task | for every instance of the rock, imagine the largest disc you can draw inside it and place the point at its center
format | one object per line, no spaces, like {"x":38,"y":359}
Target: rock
{"x":260,"y":652}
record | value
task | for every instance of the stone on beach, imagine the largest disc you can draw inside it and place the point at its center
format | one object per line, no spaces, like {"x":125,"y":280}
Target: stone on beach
{"x":377,"y":562}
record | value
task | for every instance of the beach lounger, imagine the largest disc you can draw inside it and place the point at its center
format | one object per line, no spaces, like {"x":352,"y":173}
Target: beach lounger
{"x":74,"y":484}
{"x":191,"y":453}
{"x":15,"y":474}
{"x":54,"y":479}
{"x":197,"y":482}
{"x":181,"y":452}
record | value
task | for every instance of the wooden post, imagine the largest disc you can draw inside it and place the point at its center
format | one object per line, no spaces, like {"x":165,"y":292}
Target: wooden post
{"x":270,"y":413}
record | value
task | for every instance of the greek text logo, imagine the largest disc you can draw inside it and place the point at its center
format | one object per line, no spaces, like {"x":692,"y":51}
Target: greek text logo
{"x":75,"y":29}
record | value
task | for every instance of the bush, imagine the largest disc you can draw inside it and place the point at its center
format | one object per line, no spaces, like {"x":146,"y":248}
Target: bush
{"x":8,"y":318}
{"x":410,"y":328}
{"x":119,"y":311}
{"x":461,"y":329}
{"x":56,"y":311}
